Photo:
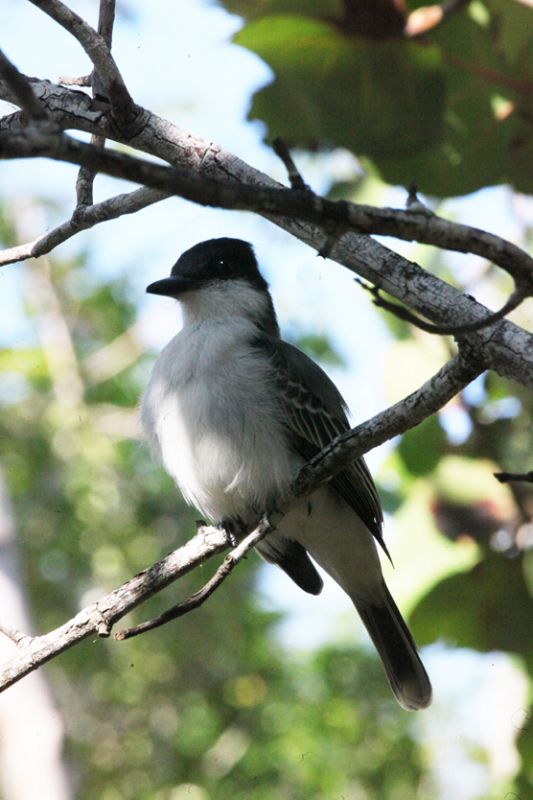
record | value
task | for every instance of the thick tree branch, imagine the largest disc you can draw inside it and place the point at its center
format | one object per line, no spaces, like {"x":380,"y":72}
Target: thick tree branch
{"x":100,"y":617}
{"x":274,"y":199}
{"x":21,"y":90}
{"x":217,"y":178}
{"x":160,"y":138}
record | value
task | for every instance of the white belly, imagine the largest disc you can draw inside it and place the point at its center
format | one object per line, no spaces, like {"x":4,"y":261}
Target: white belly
{"x":210,"y":413}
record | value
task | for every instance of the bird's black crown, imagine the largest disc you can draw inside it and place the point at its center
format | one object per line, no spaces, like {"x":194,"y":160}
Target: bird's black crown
{"x":219,"y":259}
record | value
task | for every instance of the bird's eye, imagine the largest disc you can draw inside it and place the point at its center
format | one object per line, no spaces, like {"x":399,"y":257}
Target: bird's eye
{"x":222,"y":263}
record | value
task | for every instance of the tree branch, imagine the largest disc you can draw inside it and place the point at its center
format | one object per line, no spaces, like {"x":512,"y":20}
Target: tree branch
{"x":125,"y":114}
{"x":203,"y":594}
{"x":100,"y":616}
{"x":83,"y":218}
{"x":451,"y":379}
{"x":222,"y":180}
{"x":514,"y":300}
{"x":85,"y":179}
{"x":21,"y":90}
{"x":160,"y":138}
{"x":295,"y":179}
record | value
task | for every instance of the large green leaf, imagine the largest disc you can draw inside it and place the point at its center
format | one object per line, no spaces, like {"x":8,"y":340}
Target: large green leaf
{"x":488,"y":608}
{"x":451,"y":112}
{"x":385,"y":99}
{"x":252,"y":9}
{"x":481,"y":147}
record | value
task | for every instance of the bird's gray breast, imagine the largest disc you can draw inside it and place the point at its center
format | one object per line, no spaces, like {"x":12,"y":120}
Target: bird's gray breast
{"x":211,"y":413}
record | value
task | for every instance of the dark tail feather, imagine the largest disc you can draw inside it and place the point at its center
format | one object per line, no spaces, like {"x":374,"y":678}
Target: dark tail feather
{"x":394,"y":643}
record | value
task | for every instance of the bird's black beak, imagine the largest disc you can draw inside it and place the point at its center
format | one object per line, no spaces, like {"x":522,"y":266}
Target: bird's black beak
{"x":170,"y":287}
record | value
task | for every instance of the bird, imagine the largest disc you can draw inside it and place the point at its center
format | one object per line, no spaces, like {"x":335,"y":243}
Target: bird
{"x":233,"y":412}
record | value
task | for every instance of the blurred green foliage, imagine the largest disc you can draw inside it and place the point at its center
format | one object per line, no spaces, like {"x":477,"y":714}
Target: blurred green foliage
{"x":449,"y":109}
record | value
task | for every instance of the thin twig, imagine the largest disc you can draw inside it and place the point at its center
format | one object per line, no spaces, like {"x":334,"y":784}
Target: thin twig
{"x":435,"y":393}
{"x":106,"y":21}
{"x":514,"y":300}
{"x":199,"y":597}
{"x":282,"y":151}
{"x":489,"y":75}
{"x":16,"y":636}
{"x":508,"y":477}
{"x":85,"y":179}
{"x":414,"y":204}
{"x":82,"y":219}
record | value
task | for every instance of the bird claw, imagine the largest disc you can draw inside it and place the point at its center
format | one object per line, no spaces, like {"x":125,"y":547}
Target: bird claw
{"x":230,"y":526}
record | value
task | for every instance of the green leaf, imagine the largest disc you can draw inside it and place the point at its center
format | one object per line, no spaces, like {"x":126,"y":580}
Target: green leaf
{"x":453,"y":116}
{"x":382,"y":99}
{"x":488,"y":608}
{"x":477,"y":149}
{"x":250,"y":9}
{"x":512,"y":23}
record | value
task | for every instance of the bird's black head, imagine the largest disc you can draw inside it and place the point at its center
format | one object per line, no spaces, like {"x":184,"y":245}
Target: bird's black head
{"x":209,"y":262}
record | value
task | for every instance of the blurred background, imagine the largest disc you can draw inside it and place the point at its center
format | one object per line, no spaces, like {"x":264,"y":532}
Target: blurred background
{"x":267,"y":692}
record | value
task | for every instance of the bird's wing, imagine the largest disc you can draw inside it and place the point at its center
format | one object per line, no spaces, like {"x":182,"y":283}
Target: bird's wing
{"x":315,"y":413}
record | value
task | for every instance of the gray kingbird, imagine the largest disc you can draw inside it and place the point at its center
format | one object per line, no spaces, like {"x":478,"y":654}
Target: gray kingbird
{"x":233,"y":412}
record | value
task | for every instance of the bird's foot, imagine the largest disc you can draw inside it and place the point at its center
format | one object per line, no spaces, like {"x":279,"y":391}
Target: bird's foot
{"x":233,"y":528}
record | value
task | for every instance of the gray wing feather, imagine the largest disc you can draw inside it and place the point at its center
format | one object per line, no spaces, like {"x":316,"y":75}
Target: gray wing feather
{"x":315,"y":413}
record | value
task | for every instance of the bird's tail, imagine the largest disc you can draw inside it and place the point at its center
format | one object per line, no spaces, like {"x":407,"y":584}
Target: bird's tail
{"x":406,"y":674}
